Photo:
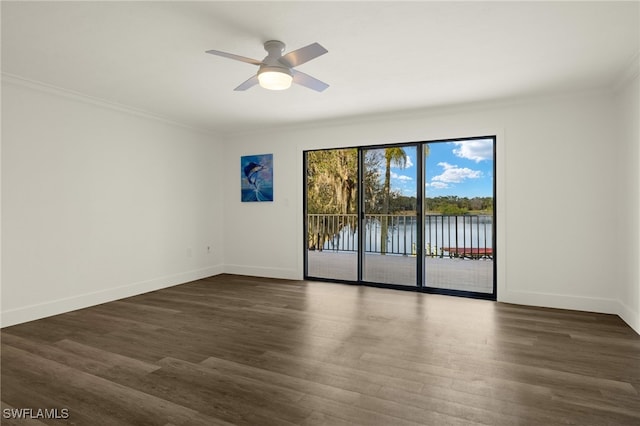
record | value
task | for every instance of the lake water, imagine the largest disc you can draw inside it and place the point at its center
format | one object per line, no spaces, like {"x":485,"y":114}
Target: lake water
{"x":440,"y":232}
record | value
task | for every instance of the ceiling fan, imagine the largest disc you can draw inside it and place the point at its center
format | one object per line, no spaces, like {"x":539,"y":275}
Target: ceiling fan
{"x":276,"y":71}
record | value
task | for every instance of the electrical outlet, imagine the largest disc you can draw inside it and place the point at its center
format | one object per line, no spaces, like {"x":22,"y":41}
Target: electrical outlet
{"x":208,"y":249}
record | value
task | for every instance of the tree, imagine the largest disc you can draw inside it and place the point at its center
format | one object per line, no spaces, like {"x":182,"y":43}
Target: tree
{"x":332,"y":177}
{"x":373,"y":181}
{"x":398,"y":157}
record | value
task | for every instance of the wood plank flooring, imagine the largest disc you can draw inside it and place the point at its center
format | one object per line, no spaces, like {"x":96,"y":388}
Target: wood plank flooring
{"x":254,"y":351}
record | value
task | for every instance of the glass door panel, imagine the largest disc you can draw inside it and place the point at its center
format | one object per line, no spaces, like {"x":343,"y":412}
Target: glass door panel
{"x":331,"y":214}
{"x":389,"y":219}
{"x":459,"y":215}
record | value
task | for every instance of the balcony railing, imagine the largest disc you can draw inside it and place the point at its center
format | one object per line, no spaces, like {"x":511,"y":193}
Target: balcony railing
{"x":454,"y":236}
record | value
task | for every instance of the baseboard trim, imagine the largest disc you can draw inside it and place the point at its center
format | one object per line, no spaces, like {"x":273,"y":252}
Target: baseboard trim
{"x":576,"y":303}
{"x":60,"y":306}
{"x":561,"y":301}
{"x":629,"y":316}
{"x":254,"y":271}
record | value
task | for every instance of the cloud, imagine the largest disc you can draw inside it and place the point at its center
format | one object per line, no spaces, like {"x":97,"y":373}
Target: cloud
{"x":408,"y":163}
{"x":476,"y":150}
{"x":455,"y":174}
{"x":400,"y":177}
{"x":438,"y":185}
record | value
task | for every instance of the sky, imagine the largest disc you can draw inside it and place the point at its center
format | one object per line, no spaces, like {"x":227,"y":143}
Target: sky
{"x":463,"y":169}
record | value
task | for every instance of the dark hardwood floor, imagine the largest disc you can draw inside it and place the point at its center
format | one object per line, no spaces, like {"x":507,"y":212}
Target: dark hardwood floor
{"x":243,"y":350}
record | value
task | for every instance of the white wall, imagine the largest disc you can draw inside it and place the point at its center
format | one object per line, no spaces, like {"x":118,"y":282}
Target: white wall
{"x":556,"y":166}
{"x":100,"y":204}
{"x":628,"y":99}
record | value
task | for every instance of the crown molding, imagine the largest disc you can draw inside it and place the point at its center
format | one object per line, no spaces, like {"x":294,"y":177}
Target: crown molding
{"x":92,"y":100}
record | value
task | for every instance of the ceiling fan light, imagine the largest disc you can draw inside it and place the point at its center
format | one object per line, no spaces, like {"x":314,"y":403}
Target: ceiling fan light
{"x":275,"y":80}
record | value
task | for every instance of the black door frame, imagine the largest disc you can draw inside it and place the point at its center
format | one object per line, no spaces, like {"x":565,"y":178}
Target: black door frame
{"x":420,"y":212}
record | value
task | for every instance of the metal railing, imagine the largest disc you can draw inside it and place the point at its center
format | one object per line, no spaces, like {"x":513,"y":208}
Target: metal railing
{"x":454,"y":236}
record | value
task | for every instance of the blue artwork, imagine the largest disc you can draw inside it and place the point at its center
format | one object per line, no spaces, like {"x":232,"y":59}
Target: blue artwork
{"x":256,"y":172}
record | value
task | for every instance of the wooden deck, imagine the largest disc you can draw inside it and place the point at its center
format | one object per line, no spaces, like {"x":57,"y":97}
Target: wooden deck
{"x":456,"y":274}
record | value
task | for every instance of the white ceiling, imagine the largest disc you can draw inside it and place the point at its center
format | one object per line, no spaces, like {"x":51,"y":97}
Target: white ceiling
{"x":383,"y":56}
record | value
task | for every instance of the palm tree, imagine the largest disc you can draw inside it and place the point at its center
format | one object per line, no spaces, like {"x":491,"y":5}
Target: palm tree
{"x":398,"y":157}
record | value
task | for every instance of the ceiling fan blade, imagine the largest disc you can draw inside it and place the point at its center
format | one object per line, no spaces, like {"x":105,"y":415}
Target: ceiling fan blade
{"x":252,"y":81}
{"x":302,"y":55}
{"x":307,"y":81}
{"x":236,"y":57}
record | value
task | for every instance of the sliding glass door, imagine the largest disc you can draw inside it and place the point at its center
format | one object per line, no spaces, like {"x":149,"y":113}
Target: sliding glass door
{"x":414,"y":215}
{"x":331,"y":214}
{"x":390,"y":215}
{"x":459,"y":215}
